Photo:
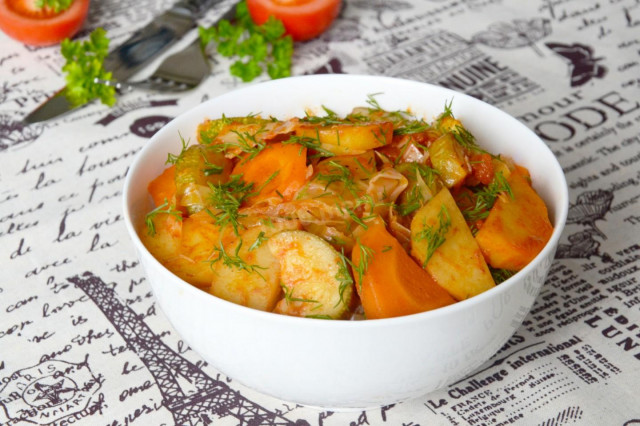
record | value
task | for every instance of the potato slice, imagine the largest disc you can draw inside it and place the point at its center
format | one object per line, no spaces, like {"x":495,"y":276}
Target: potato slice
{"x":314,"y":278}
{"x":348,"y":139}
{"x":517,"y":228}
{"x":442,"y":242}
{"x":164,"y":243}
{"x":196,"y":246}
{"x":247,"y":273}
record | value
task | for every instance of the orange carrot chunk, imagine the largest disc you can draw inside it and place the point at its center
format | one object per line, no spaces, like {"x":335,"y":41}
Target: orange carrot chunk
{"x":517,"y":228}
{"x":278,"y":171}
{"x":163,"y":187}
{"x":392,"y":283}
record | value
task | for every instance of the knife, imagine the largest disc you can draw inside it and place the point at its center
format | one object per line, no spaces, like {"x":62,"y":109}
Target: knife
{"x":136,"y":52}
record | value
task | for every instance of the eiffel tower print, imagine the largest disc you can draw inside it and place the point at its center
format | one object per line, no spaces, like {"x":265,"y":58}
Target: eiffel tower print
{"x":209,"y":398}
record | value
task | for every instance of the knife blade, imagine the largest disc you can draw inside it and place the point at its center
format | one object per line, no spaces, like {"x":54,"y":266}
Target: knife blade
{"x":134,"y":53}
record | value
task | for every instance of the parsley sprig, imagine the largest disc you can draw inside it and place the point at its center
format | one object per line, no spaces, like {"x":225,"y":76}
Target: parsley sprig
{"x":257,"y":47}
{"x":84,"y":65}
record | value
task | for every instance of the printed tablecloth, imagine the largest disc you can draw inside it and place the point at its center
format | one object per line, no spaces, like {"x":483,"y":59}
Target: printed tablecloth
{"x":568,"y":69}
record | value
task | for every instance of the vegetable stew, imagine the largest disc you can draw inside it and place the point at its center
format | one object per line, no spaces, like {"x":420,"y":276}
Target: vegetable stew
{"x":375,"y":214}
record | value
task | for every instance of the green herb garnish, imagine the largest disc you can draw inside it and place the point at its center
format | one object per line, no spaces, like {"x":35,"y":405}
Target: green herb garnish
{"x":227,"y":198}
{"x":310,"y":143}
{"x":343,"y":276}
{"x":258,"y":242}
{"x":162,"y":208}
{"x":485,"y":198}
{"x":235,"y":260}
{"x":435,"y":236}
{"x":172,"y":158}
{"x":501,"y":275}
{"x":288,"y":296}
{"x":85,"y":64}
{"x":366,"y":254}
{"x":256,"y":47}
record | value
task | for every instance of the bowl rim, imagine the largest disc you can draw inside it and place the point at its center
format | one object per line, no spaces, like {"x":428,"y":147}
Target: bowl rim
{"x":560,"y":214}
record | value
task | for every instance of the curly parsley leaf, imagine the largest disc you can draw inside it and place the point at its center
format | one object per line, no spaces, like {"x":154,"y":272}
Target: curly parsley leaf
{"x":256,"y":47}
{"x":85,"y":64}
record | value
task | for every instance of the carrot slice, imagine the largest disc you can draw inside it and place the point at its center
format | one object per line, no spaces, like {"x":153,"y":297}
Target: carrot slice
{"x":163,"y":187}
{"x":392,"y":283}
{"x":278,"y":171}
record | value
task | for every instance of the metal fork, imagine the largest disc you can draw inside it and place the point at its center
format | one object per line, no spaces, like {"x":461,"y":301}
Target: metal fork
{"x":179,"y":72}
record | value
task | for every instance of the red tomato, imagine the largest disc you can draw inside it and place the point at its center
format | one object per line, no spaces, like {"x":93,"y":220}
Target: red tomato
{"x":303,"y":19}
{"x":25,"y":22}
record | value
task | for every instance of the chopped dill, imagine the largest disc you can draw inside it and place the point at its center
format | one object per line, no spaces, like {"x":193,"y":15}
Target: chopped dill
{"x":162,"y":208}
{"x":338,"y":173}
{"x":326,"y":120}
{"x":343,"y":276}
{"x":435,"y":236}
{"x":172,"y":158}
{"x":448,"y":112}
{"x":485,"y":198}
{"x":288,"y":296}
{"x":258,"y":242}
{"x":466,"y":139}
{"x":227,"y":198}
{"x":366,"y":254}
{"x":235,"y":260}
{"x":373,"y":102}
{"x":310,"y":143}
{"x":411,"y":127}
{"x":501,"y":275}
{"x":210,"y":168}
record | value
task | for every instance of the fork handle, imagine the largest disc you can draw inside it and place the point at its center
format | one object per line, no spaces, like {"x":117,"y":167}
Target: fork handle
{"x":120,"y":87}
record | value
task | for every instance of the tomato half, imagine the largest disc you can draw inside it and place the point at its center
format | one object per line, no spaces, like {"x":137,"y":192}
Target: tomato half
{"x":22,"y":20}
{"x":303,"y":19}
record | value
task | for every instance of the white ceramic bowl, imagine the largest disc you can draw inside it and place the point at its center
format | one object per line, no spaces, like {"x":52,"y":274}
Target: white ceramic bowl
{"x":349,"y":364}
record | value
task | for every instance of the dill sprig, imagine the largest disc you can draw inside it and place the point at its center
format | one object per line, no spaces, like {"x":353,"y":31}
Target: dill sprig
{"x":162,"y":208}
{"x":466,"y":139}
{"x":210,"y":168}
{"x":288,"y":296}
{"x":448,"y":112}
{"x":258,"y":242}
{"x":485,"y":198}
{"x":172,"y":158}
{"x":235,"y":260}
{"x":373,"y":102}
{"x":435,"y":236}
{"x":337,"y":173}
{"x":413,"y":202}
{"x":366,"y":254}
{"x":501,"y":275}
{"x":411,"y":127}
{"x":343,"y":276}
{"x":310,"y":143}
{"x":246,"y":142}
{"x":227,"y":198}
{"x":414,"y":198}
{"x":330,"y":118}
